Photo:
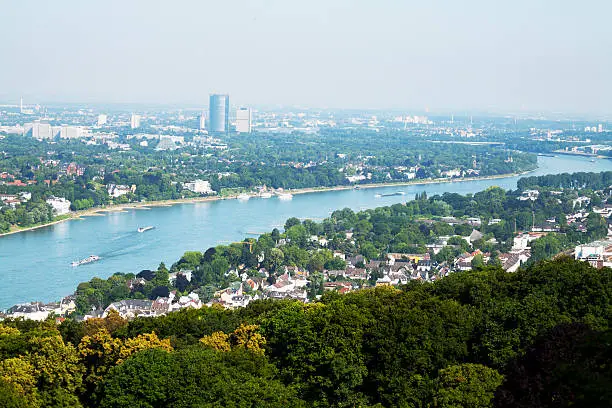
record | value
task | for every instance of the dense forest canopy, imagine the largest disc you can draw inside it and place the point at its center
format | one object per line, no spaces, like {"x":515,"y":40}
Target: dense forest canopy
{"x":538,"y":337}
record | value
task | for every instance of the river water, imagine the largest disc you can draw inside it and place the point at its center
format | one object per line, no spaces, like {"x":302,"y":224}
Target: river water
{"x":35,"y":265}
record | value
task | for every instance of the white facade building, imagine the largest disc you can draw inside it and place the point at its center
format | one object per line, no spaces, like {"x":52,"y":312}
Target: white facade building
{"x":135,"y":121}
{"x":243,"y":120}
{"x":102,"y":119}
{"x":60,"y":206}
{"x":71,"y":132}
{"x":41,"y":131}
{"x":203,"y":121}
{"x":199,"y":187}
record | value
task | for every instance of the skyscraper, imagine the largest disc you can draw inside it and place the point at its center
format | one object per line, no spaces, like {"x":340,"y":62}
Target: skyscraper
{"x":243,"y":120}
{"x":135,"y":121}
{"x":203,"y":121}
{"x":218,"y":114}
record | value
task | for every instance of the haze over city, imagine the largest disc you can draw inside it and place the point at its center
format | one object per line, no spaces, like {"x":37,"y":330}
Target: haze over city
{"x":475,"y":55}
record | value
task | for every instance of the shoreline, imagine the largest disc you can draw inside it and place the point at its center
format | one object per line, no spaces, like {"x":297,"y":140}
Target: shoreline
{"x":147,"y":205}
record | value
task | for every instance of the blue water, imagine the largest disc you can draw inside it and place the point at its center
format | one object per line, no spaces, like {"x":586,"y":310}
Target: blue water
{"x":35,"y":265}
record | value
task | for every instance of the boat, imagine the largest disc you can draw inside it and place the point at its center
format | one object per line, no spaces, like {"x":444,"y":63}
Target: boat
{"x":147,"y":228}
{"x":397,"y":193}
{"x":243,"y":196}
{"x":265,"y":195}
{"x":285,"y":196}
{"x":377,"y":195}
{"x":593,"y":160}
{"x":89,"y":259}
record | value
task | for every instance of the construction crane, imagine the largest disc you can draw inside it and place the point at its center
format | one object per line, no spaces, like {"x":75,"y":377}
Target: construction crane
{"x":249,"y":243}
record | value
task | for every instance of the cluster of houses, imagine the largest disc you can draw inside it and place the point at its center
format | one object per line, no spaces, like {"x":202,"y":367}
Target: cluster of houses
{"x":13,"y":200}
{"x":598,"y":254}
{"x":40,"y":311}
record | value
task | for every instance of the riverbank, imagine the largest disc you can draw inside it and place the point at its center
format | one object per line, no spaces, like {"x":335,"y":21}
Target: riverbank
{"x":98,"y":211}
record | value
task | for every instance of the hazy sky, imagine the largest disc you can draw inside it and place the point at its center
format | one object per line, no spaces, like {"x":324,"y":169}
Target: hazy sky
{"x":457,"y":54}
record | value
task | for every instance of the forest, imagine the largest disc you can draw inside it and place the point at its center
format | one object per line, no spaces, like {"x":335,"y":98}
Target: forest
{"x":536,"y":338}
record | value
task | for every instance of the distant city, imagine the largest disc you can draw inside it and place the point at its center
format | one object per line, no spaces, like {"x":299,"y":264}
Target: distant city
{"x":96,"y":126}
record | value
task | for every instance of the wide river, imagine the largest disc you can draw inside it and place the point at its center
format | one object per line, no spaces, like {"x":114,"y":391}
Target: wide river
{"x":35,"y":265}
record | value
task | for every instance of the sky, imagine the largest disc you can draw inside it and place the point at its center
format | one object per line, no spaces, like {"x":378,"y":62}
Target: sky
{"x":518,"y":55}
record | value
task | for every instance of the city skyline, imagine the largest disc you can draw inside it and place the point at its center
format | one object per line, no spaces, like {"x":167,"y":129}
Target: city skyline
{"x":473,"y":56}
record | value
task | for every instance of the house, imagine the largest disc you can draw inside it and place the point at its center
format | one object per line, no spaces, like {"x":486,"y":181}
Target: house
{"x":597,"y":253}
{"x":131,"y":308}
{"x":192,"y":300}
{"x":384,"y":281}
{"x":187,"y":274}
{"x":356,"y":274}
{"x":513,"y":260}
{"x":60,"y":206}
{"x":531,"y":195}
{"x":199,"y":187}
{"x":475,"y":236}
{"x":29,"y":311}
{"x":354,"y":260}
{"x":474,"y":221}
{"x":117,"y":190}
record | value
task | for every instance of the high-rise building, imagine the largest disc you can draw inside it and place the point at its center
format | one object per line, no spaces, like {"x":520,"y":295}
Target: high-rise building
{"x":135,"y":121}
{"x":102,"y":119}
{"x":70,"y":132}
{"x":41,"y":130}
{"x":203,"y":121}
{"x":243,"y":120}
{"x":218,"y":114}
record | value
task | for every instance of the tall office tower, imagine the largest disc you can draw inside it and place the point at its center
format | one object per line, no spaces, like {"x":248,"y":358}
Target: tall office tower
{"x":135,"y":121}
{"x":218,"y":114}
{"x":203,"y":121}
{"x":102,"y":118}
{"x":21,"y":105}
{"x":243,"y":120}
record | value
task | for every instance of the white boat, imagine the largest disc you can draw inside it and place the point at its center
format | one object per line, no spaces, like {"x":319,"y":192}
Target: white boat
{"x":143,"y":229}
{"x":89,"y":259}
{"x":243,"y":196}
{"x":377,"y":195}
{"x":285,"y":196}
{"x":265,"y":195}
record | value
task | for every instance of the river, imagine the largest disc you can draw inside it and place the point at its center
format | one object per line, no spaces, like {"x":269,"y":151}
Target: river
{"x":35,"y":265}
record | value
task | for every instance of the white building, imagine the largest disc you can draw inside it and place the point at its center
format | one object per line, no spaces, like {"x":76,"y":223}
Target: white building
{"x":28,"y":311}
{"x":243,"y":120}
{"x":41,"y":131}
{"x":135,"y":121}
{"x":117,"y":190}
{"x":199,"y":187}
{"x":102,"y":119}
{"x":71,"y":132}
{"x":203,"y":121}
{"x":60,"y":206}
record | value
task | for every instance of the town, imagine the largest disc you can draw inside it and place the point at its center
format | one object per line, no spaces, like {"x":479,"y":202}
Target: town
{"x":423,"y":240}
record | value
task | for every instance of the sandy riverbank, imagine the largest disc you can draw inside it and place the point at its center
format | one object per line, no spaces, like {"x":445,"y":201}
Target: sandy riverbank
{"x":147,"y":205}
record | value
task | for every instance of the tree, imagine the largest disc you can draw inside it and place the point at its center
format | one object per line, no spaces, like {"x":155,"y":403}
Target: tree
{"x":217,"y":341}
{"x":19,"y":375}
{"x":335,"y":263}
{"x":478,"y":261}
{"x":467,"y":385}
{"x":291,"y":222}
{"x":57,"y":369}
{"x":196,"y":376}
{"x":275,"y":258}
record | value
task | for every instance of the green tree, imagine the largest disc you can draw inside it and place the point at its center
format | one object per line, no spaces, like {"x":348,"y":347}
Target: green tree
{"x":467,"y":385}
